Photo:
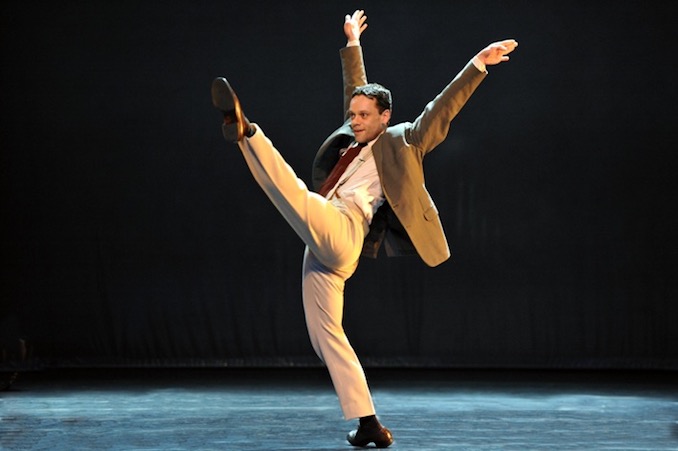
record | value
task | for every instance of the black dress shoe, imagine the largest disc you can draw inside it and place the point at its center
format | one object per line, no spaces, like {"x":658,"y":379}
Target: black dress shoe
{"x":380,"y":436}
{"x":235,"y":126}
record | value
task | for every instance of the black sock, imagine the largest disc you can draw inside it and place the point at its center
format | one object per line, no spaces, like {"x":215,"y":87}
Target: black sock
{"x":250,"y":131}
{"x":370,"y":422}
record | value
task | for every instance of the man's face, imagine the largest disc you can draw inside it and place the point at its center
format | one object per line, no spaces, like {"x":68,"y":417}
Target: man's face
{"x":366,"y":121}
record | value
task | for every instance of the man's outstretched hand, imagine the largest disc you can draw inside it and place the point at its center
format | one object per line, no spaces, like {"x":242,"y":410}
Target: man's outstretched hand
{"x":497,"y":52}
{"x":355,"y":25}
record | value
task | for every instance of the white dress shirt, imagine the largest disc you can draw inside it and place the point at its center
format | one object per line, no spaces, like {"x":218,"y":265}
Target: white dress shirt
{"x":360,"y":184}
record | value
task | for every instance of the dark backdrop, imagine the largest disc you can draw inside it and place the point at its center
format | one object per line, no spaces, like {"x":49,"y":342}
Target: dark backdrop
{"x":132,"y":234}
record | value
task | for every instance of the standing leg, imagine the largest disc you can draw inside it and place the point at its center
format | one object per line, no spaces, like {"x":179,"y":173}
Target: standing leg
{"x":323,"y":294}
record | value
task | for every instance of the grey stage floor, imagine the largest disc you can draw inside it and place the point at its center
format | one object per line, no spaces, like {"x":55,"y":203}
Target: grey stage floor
{"x":296,"y":409}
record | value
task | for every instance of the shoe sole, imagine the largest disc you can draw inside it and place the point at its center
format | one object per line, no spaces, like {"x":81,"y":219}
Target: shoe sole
{"x":385,"y":443}
{"x":222,"y":94}
{"x":225,"y":100}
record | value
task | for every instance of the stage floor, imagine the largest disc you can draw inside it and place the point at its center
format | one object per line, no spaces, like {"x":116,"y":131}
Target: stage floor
{"x":296,"y":409}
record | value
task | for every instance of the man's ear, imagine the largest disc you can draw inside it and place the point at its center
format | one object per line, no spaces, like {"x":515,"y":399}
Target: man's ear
{"x":386,"y":116}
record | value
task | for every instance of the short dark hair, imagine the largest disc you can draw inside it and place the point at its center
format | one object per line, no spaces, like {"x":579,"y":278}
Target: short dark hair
{"x":377,"y":92}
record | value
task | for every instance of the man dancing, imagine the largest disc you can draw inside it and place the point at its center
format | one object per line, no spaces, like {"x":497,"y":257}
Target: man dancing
{"x":370,"y":190}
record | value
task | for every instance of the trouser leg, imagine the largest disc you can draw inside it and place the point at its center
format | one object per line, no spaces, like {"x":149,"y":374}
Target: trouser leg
{"x":333,"y":231}
{"x":323,"y":294}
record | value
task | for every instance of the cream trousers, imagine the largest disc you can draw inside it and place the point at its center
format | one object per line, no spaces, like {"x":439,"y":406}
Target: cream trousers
{"x":333,"y":233}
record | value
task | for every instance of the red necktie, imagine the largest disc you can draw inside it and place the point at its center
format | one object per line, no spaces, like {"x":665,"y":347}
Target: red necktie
{"x":339,"y":168}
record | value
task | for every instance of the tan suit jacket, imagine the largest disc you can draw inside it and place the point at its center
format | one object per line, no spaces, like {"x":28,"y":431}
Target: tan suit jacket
{"x":408,"y":222}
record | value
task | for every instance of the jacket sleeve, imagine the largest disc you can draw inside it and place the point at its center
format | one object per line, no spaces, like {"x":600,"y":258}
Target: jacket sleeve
{"x":431,"y":127}
{"x":353,"y":72}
